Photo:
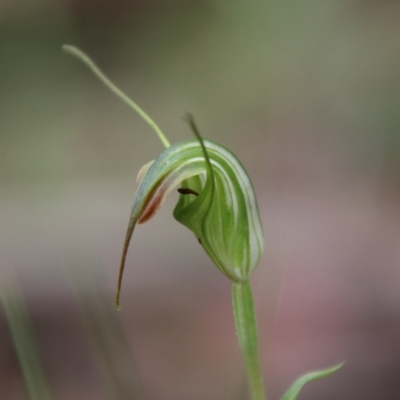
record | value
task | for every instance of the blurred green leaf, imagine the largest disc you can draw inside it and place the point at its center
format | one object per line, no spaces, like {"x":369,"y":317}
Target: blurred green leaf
{"x":294,"y":390}
{"x":25,"y":344}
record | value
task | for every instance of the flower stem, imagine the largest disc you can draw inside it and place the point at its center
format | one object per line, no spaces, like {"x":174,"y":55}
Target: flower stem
{"x":246,"y":330}
{"x":96,"y":70}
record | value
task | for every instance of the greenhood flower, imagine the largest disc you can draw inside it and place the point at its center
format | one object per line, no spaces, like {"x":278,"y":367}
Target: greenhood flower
{"x":217,"y":203}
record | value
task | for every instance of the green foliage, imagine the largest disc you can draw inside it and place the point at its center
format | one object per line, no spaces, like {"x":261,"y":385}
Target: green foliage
{"x":294,"y":390}
{"x":25,"y":344}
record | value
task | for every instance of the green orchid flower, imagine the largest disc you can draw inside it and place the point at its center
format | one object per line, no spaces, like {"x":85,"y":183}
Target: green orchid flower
{"x":218,"y":204}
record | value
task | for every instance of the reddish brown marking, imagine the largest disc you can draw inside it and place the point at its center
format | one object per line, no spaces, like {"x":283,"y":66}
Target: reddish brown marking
{"x":152,"y":205}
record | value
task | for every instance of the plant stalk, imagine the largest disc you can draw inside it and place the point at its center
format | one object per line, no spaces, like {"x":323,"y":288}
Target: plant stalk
{"x":246,"y":330}
{"x":25,"y":344}
{"x":74,"y":51}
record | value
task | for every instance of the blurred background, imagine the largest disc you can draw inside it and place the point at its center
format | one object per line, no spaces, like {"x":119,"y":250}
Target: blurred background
{"x":306,"y":94}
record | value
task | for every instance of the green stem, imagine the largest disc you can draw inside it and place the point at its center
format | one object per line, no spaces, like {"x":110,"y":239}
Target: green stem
{"x":25,"y":344}
{"x":96,"y":70}
{"x":246,"y":330}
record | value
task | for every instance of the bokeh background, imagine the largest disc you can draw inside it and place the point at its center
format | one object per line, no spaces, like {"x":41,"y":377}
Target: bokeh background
{"x":305,"y":93}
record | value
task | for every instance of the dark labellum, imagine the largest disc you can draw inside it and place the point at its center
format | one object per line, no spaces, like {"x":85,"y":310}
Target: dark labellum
{"x":187,"y":191}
